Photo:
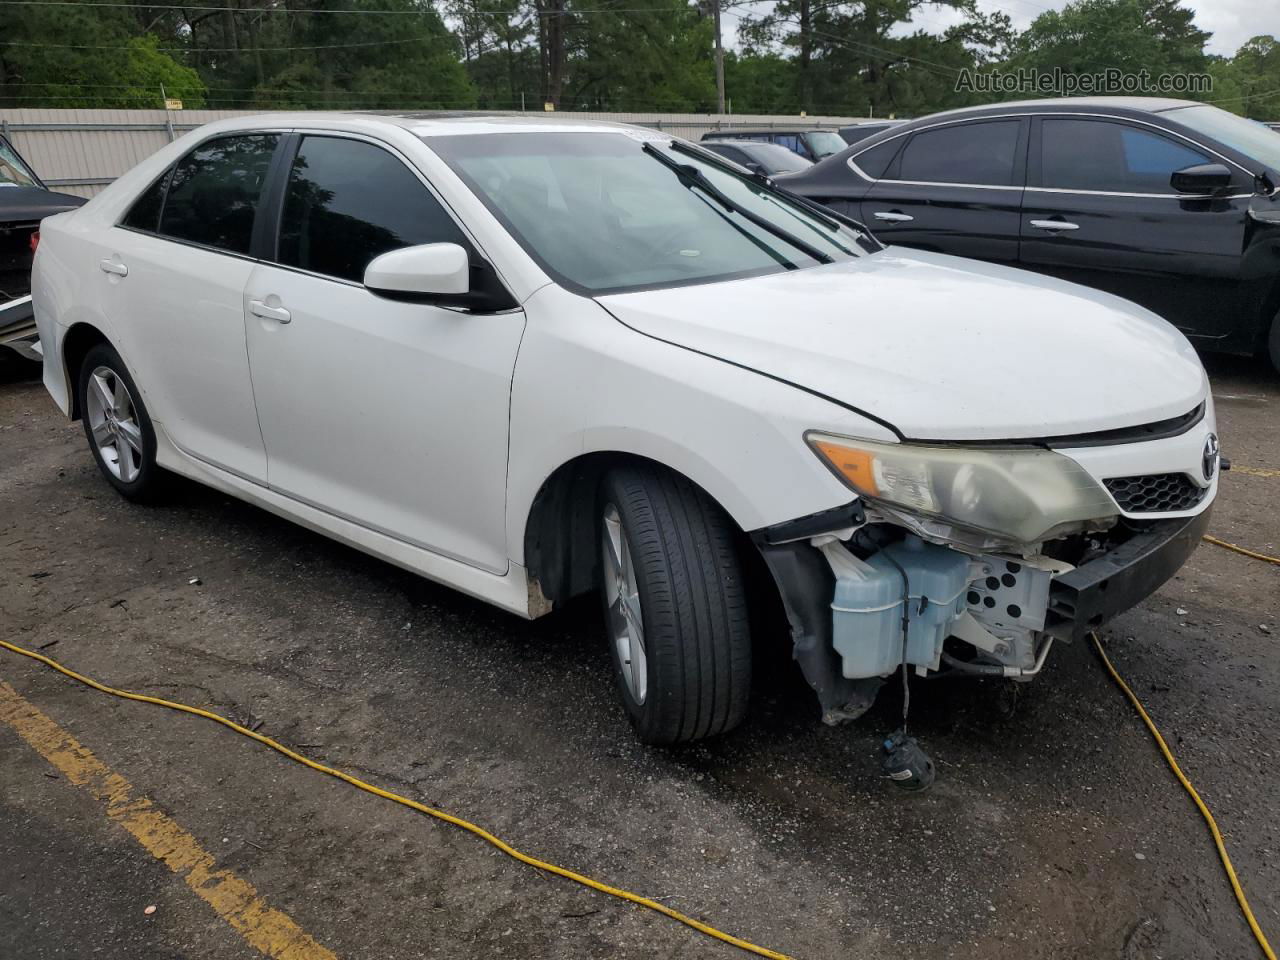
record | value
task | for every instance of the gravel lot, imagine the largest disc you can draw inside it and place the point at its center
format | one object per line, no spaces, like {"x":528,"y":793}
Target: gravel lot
{"x":1054,"y":829}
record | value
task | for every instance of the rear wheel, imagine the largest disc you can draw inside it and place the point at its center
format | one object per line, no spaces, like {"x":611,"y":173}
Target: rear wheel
{"x":675,"y":608}
{"x":117,"y":425}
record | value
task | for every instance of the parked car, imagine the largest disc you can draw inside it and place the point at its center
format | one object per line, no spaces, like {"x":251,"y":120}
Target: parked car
{"x":812,"y":144}
{"x":24,"y":201}
{"x":532,"y":358}
{"x":758,"y":157}
{"x":1169,"y":203}
{"x":867,"y":128}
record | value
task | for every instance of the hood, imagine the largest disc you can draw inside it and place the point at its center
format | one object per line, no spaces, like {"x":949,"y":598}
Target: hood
{"x":22,"y":204}
{"x":938,"y":347}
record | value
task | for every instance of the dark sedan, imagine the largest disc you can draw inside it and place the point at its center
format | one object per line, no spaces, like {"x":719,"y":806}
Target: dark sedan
{"x":1169,"y":203}
{"x":24,"y":202}
{"x":758,"y":157}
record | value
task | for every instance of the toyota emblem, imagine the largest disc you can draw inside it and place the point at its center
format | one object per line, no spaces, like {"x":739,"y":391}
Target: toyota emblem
{"x":1209,"y":462}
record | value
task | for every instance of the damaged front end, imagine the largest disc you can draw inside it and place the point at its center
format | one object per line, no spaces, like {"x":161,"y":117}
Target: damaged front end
{"x":889,"y":581}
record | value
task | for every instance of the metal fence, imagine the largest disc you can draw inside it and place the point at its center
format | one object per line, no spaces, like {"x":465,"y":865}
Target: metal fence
{"x":81,"y":151}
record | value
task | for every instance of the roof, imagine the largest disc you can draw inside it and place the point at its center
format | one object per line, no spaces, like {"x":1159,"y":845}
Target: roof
{"x":1138,"y":104}
{"x":437,"y":124}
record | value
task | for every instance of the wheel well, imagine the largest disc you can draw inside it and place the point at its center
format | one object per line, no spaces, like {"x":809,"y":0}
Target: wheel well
{"x":80,"y":339}
{"x":560,"y":549}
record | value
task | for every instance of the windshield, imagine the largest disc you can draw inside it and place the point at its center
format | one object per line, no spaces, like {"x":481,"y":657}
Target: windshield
{"x":824,"y":143}
{"x":602,"y":215}
{"x":1248,"y":136}
{"x":13,"y":172}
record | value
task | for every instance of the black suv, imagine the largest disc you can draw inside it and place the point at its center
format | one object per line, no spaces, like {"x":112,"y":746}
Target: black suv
{"x":1169,"y":203}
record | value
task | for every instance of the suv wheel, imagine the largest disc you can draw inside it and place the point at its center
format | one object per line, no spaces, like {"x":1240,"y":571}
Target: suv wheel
{"x":117,"y":425}
{"x":675,"y":609}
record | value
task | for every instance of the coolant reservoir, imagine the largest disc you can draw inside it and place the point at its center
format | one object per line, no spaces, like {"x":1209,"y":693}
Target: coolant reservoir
{"x":867,"y":606}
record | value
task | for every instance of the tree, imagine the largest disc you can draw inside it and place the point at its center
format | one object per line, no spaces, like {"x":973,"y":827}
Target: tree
{"x":1091,"y":36}
{"x":87,"y":56}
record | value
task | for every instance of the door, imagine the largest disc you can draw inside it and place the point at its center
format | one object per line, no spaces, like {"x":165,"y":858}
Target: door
{"x":1099,"y":210}
{"x":955,"y":188}
{"x":172,"y":278}
{"x":391,"y":414}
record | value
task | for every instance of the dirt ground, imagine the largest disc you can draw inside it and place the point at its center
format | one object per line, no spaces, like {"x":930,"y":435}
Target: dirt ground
{"x":1054,"y":830}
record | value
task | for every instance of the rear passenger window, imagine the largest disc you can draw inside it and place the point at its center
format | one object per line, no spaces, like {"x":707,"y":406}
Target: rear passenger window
{"x":875,"y":161}
{"x":145,"y":212}
{"x":349,"y":201}
{"x":214,"y":192}
{"x":981,"y":153}
{"x":1110,"y":157}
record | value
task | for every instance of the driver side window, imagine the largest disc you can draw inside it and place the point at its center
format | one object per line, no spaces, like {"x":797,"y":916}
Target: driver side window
{"x":1108,"y":156}
{"x":349,"y":201}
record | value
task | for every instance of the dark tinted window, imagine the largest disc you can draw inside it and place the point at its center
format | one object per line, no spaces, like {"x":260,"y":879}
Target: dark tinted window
{"x":962,"y":153}
{"x":214,"y":192}
{"x":145,"y":212}
{"x":348,"y":202}
{"x":875,"y":161}
{"x":1099,"y":155}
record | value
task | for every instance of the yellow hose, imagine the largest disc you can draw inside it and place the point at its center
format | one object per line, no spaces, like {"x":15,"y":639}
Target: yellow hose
{"x":1200,"y":804}
{"x":1239,"y":549}
{"x":627,"y":895}
{"x":470,"y":827}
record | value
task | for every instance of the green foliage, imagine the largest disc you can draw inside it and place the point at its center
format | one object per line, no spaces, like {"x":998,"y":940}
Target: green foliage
{"x":845,"y":57}
{"x":1090,"y":36}
{"x":87,"y":56}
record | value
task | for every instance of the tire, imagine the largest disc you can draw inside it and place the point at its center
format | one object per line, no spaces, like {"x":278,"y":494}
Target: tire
{"x":105,"y":385}
{"x":694,"y":633}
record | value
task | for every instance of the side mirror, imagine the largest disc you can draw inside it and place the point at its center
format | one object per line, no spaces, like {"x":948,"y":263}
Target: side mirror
{"x":431,"y":271}
{"x":1201,"y":178}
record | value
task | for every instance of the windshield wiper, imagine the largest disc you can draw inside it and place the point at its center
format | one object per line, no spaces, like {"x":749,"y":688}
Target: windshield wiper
{"x":831,"y":219}
{"x":692,"y":177}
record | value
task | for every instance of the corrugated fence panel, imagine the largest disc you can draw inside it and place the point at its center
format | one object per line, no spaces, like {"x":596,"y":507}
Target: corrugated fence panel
{"x":81,"y":151}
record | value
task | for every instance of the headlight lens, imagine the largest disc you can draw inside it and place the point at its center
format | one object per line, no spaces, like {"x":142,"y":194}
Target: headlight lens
{"x":1026,"y":495}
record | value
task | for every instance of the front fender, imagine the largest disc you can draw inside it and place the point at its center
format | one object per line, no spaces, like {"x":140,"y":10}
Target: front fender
{"x":585,"y":383}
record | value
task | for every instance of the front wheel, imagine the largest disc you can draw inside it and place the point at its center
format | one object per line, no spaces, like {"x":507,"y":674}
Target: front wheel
{"x":675,"y":608}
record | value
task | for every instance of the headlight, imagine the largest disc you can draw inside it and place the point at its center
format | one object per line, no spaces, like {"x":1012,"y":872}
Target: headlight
{"x":1026,"y":495}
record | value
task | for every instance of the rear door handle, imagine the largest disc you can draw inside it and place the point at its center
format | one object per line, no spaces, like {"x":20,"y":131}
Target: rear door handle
{"x":1054,"y":225}
{"x":279,"y":314}
{"x":893,"y":217}
{"x":114,"y":266}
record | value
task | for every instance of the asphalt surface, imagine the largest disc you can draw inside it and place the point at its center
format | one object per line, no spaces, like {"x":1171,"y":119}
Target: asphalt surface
{"x":1054,"y":829}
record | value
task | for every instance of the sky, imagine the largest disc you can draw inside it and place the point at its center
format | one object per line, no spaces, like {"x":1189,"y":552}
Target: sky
{"x":1231,"y":22}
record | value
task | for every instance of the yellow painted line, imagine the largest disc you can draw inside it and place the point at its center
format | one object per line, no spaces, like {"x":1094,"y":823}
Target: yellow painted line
{"x":1254,"y":471}
{"x":267,"y":930}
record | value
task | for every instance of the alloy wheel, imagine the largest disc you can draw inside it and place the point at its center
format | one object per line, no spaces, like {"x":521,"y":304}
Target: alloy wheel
{"x":113,"y":423}
{"x":622,"y":601}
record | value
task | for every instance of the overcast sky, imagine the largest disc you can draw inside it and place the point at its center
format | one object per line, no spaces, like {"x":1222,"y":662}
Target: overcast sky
{"x":1231,"y":22}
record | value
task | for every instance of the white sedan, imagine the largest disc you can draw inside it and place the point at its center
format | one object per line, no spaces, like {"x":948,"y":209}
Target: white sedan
{"x":535,"y":358}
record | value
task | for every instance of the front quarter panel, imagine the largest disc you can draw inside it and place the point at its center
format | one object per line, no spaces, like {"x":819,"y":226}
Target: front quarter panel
{"x":585,"y":383}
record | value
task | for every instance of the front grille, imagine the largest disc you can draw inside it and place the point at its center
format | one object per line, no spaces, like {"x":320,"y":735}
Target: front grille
{"x":1155,"y":493}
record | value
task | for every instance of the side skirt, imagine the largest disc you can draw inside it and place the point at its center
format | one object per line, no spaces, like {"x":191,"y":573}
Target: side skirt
{"x":510,"y":592}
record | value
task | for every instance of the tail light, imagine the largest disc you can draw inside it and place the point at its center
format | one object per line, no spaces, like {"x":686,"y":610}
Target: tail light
{"x":35,"y":240}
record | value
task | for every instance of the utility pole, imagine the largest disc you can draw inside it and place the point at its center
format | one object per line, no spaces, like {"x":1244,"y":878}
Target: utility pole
{"x":715,"y":6}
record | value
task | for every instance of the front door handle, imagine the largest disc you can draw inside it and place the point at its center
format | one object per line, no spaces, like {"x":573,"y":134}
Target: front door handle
{"x":113,"y":266}
{"x":279,"y":314}
{"x":893,"y":216}
{"x":1055,"y":225}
